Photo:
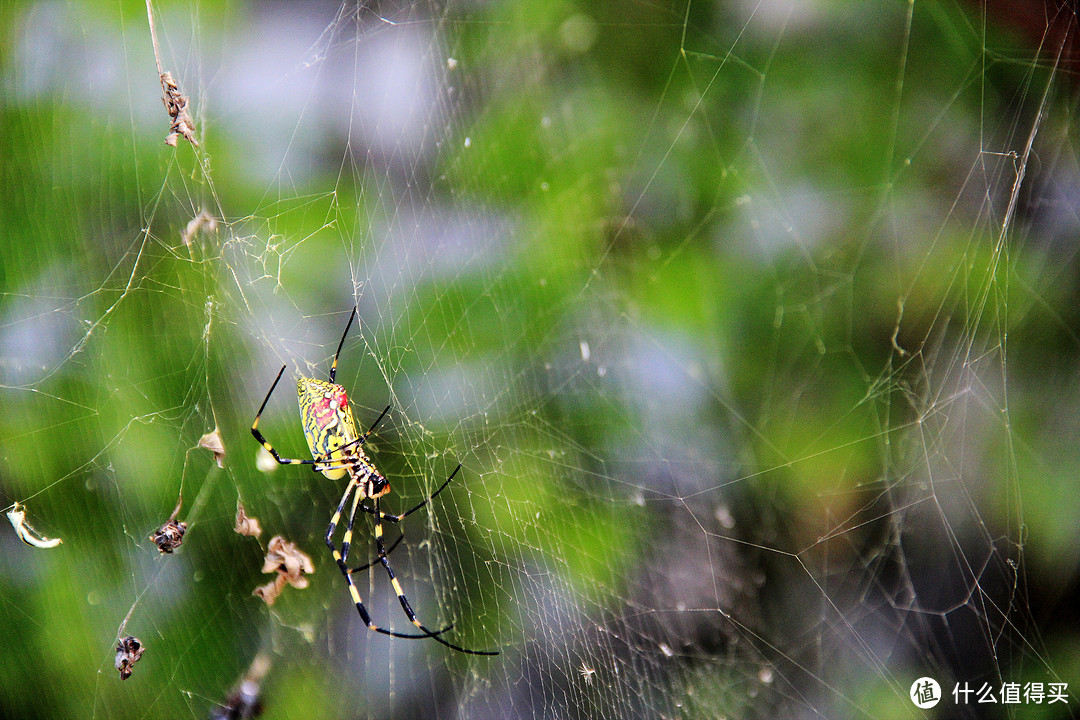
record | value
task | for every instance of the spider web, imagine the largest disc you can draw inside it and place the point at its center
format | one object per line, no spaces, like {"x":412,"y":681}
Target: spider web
{"x":752,"y":327}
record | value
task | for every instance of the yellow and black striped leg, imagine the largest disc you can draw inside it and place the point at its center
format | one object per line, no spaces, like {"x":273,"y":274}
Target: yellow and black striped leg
{"x":398,"y":518}
{"x":389,"y":550}
{"x":333,"y":367}
{"x":340,"y":559}
{"x":259,"y":436}
{"x":401,"y":593}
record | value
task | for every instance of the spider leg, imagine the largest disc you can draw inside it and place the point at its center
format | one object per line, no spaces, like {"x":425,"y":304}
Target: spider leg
{"x":365,"y":566}
{"x":353,"y":489}
{"x":398,"y":518}
{"x":263,"y":441}
{"x":401,"y":593}
{"x":333,"y":367}
{"x":360,"y":440}
{"x":346,"y":463}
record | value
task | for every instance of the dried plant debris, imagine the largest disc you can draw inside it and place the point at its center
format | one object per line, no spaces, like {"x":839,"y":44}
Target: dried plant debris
{"x":212,"y":441}
{"x":246,"y":525}
{"x":290,"y":563}
{"x":169,"y":536}
{"x":176,"y":104}
{"x":128,"y":652}
{"x":245,"y":701}
{"x":204,"y":221}
{"x":30,"y":536}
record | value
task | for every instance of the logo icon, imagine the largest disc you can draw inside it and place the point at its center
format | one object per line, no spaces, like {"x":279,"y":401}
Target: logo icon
{"x":925,"y":693}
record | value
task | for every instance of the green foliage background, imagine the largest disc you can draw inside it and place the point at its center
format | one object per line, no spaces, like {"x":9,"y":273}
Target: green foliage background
{"x":801,"y":220}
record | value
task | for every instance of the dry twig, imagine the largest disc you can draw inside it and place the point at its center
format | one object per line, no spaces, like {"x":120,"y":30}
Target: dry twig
{"x":175,"y":102}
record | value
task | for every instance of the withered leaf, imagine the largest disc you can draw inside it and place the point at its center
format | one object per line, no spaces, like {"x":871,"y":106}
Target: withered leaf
{"x":290,"y":563}
{"x":212,"y":442}
{"x":246,"y":525}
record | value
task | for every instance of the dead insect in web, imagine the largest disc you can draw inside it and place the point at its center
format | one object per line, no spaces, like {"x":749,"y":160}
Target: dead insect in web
{"x":337,"y":452}
{"x":128,"y":652}
{"x":169,"y":536}
{"x":30,"y":536}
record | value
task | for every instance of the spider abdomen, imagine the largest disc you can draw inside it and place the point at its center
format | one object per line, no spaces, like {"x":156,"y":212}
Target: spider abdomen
{"x":328,"y":423}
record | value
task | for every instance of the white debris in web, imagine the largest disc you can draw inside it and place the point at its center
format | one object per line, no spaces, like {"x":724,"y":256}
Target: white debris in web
{"x":264,"y":461}
{"x":27,"y":534}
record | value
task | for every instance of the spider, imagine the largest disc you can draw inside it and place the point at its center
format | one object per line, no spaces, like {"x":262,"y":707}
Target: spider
{"x":336,"y":451}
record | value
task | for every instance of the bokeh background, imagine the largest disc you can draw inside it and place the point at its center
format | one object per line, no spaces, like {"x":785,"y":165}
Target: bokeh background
{"x":753,"y":325}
